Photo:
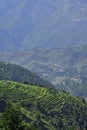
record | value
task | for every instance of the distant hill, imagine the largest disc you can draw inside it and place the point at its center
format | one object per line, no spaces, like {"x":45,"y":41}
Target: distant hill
{"x":66,"y":67}
{"x":36,"y":23}
{"x":45,"y":109}
{"x":19,"y":74}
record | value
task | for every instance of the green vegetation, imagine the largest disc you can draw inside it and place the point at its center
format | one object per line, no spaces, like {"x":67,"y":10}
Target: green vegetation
{"x":20,"y":74}
{"x":12,"y":118}
{"x":44,"y":108}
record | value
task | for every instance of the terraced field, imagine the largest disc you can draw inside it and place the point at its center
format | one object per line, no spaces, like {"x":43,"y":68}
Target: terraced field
{"x":46,"y":109}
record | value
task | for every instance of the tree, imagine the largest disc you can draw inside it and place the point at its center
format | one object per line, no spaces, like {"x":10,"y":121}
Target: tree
{"x":12,"y":117}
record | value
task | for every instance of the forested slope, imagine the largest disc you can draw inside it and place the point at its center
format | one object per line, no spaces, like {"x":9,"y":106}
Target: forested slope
{"x":20,"y":74}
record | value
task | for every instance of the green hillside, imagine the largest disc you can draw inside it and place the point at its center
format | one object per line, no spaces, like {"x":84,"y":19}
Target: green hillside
{"x":19,"y":74}
{"x":65,"y":67}
{"x":45,"y":109}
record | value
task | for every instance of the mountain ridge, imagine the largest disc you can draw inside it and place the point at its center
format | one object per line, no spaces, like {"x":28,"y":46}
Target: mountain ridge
{"x":12,"y":72}
{"x":43,"y":24}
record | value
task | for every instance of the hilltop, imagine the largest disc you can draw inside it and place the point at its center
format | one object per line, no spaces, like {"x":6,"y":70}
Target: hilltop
{"x":45,"y":109}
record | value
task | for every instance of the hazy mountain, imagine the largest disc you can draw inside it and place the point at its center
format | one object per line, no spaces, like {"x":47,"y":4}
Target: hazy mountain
{"x":42,"y":23}
{"x":43,"y":108}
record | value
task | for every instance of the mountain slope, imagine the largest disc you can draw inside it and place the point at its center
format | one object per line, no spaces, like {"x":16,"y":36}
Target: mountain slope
{"x":46,"y":109}
{"x":47,"y":23}
{"x":66,"y":67}
{"x":20,"y":74}
{"x":65,"y":27}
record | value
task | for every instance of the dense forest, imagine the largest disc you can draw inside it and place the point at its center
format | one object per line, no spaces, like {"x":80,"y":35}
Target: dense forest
{"x":20,"y":74}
